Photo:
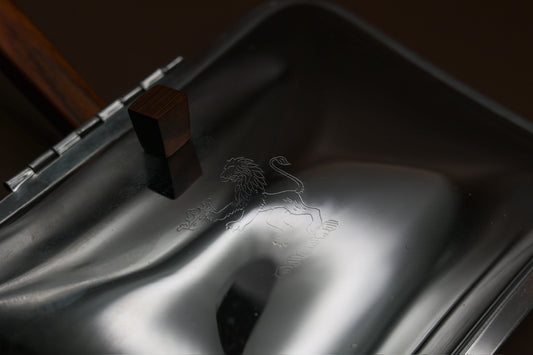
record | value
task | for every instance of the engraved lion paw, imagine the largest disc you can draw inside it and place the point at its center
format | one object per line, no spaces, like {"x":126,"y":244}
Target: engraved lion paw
{"x":280,"y":244}
{"x":235,"y":225}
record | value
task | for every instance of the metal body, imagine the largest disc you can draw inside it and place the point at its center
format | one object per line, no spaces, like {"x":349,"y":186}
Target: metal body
{"x":353,"y":199}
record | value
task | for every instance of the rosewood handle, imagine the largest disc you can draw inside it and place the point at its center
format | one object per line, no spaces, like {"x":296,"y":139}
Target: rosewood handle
{"x":37,"y":68}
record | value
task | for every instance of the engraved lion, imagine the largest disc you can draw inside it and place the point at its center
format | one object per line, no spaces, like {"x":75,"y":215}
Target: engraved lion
{"x":250,"y":184}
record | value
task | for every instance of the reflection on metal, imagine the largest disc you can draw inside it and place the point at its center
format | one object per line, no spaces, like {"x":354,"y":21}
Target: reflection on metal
{"x":242,"y":307}
{"x":172,"y":176}
{"x":42,"y":161}
{"x":130,"y":95}
{"x":196,"y":217}
{"x":296,"y":259}
{"x":172,"y":64}
{"x":250,"y":184}
{"x":152,"y":79}
{"x":251,"y":199}
{"x":111,"y":109}
{"x":67,"y":143}
{"x":504,"y":316}
{"x":89,"y":126}
{"x":15,"y":182}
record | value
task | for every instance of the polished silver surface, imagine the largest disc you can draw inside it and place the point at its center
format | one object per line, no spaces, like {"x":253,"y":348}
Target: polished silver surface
{"x":352,"y":200}
{"x":111,"y":109}
{"x":128,"y":98}
{"x":152,"y":79}
{"x":89,"y":126}
{"x":172,"y":64}
{"x":66,"y":143}
{"x":43,"y":160}
{"x":460,"y":324}
{"x":504,"y":316}
{"x":16,"y":181}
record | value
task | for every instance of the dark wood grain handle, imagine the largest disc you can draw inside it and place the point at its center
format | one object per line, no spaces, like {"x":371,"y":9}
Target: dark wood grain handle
{"x":37,"y":68}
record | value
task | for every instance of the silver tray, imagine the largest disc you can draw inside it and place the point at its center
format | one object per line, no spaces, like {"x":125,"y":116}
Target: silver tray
{"x":353,"y":199}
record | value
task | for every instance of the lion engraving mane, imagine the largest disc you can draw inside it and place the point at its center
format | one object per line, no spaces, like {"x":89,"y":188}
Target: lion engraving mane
{"x":249,"y":180}
{"x":248,"y":177}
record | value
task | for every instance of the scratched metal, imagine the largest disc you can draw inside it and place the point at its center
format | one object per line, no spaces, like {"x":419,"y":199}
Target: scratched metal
{"x":352,"y":199}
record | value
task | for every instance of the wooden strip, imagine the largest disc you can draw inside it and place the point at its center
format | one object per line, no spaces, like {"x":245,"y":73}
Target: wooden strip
{"x":37,"y":68}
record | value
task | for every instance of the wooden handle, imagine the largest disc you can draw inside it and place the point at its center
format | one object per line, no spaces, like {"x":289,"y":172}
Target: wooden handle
{"x":43,"y":75}
{"x":160,"y":118}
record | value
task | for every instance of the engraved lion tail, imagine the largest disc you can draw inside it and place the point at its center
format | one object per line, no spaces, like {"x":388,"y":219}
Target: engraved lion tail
{"x":281,"y":160}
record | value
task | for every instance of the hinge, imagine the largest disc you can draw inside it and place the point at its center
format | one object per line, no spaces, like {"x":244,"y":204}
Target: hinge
{"x":16,"y":181}
{"x":110,"y":110}
{"x":51,"y":155}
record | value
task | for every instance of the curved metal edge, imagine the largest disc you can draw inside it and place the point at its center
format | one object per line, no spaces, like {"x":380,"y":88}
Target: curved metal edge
{"x":428,"y":328}
{"x":472,"y":311}
{"x":503,"y":316}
